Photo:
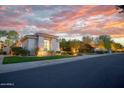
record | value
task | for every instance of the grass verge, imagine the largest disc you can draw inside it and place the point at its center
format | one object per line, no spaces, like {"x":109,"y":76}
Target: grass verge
{"x":17,"y":59}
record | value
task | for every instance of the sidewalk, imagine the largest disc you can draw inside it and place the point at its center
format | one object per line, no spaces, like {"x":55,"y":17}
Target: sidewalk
{"x":4,"y":68}
{"x":1,"y":59}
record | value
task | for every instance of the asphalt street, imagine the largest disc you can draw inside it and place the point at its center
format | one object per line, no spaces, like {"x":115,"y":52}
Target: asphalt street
{"x":98,"y":72}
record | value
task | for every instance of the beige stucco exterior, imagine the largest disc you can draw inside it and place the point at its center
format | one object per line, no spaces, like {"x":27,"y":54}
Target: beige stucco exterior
{"x":41,"y":42}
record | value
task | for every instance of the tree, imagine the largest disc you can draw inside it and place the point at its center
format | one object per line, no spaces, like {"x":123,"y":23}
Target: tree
{"x":65,"y":45}
{"x":107,"y":42}
{"x":2,"y":33}
{"x":12,"y":37}
{"x":101,"y":45}
{"x":70,"y":46}
{"x":75,"y":46}
{"x":116,"y":46}
{"x":87,"y":39}
{"x":86,"y":48}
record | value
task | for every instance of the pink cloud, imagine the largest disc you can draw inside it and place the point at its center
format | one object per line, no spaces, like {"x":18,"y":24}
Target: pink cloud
{"x":95,"y":19}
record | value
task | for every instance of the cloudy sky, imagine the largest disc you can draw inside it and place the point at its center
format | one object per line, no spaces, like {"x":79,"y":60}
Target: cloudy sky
{"x":64,"y":20}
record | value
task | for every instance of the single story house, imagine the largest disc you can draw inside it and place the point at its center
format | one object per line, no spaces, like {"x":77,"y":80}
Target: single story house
{"x":40,"y":44}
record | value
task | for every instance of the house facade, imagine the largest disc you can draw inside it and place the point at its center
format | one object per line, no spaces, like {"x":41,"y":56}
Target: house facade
{"x":40,"y":44}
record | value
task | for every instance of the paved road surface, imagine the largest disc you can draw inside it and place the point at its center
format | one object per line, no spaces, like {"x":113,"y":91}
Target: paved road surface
{"x":103,"y":72}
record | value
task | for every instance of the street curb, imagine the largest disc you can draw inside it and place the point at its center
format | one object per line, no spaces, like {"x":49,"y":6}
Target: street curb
{"x":5,"y":68}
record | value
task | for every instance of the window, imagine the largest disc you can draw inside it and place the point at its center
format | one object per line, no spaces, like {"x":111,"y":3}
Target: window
{"x":47,"y":45}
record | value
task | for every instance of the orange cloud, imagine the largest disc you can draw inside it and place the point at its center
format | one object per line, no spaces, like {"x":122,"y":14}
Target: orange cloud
{"x":114,"y":24}
{"x":84,"y":12}
{"x":64,"y":25}
{"x":90,"y":10}
{"x":117,"y":36}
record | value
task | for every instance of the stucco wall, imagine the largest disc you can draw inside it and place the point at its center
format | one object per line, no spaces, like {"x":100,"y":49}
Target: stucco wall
{"x":25,"y":44}
{"x":40,"y":42}
{"x":31,"y":44}
{"x":55,"y":45}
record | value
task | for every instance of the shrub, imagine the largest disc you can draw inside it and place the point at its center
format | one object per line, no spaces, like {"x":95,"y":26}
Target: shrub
{"x":66,"y":53}
{"x":101,"y":52}
{"x":58,"y":52}
{"x":2,"y":53}
{"x":19,"y":51}
{"x":51,"y":53}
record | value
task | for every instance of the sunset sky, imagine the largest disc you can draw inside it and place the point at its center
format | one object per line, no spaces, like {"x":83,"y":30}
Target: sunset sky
{"x":64,"y":20}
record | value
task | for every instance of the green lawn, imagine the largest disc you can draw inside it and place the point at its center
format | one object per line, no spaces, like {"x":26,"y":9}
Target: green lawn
{"x":16,"y":59}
